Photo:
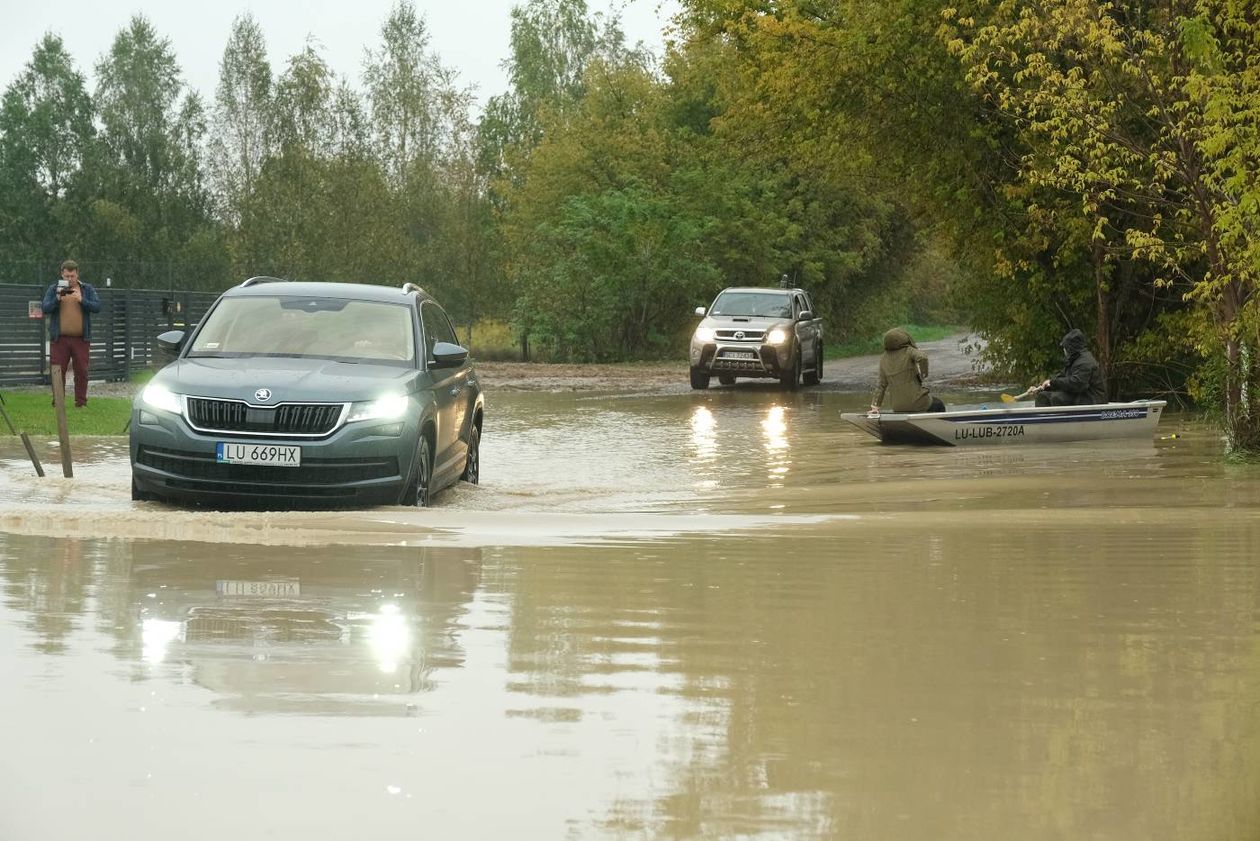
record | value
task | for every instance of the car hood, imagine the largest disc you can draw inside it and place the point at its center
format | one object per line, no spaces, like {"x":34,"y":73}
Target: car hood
{"x":743,"y":322}
{"x":289,"y":379}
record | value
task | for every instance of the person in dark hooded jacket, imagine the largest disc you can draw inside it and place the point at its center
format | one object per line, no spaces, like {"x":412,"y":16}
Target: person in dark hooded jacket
{"x":902,"y":370}
{"x":1080,"y":382}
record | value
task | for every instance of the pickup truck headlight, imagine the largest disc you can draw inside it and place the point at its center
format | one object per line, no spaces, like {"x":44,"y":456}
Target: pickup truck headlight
{"x":777,"y":336}
{"x":390,"y":407}
{"x":704,"y":334}
{"x":160,"y":397}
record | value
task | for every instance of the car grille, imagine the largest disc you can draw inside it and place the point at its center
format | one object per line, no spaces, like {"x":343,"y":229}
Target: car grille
{"x":285,"y":480}
{"x":748,"y":335}
{"x":285,"y":419}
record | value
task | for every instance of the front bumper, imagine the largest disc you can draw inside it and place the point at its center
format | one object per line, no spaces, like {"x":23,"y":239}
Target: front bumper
{"x":364,"y":463}
{"x":741,"y":359}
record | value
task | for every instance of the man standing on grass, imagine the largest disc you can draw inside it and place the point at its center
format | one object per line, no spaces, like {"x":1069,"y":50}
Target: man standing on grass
{"x":69,"y":304}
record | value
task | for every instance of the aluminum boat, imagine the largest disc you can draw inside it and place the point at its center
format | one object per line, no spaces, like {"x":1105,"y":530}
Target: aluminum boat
{"x":1013,"y":423}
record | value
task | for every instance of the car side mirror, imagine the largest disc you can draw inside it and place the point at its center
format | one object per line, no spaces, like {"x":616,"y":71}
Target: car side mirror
{"x":806,"y":315}
{"x":447,"y":355}
{"x":700,"y":311}
{"x":171,"y":342}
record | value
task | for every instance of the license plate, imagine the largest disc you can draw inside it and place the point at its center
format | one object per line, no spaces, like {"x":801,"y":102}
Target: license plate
{"x":267,"y":589}
{"x":739,"y":354}
{"x":268,"y":454}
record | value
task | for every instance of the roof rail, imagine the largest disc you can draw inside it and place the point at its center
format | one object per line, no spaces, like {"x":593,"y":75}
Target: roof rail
{"x":411,"y":287}
{"x":262,"y":279}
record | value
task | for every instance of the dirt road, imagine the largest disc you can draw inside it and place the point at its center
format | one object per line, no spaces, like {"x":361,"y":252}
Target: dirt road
{"x":952,"y":364}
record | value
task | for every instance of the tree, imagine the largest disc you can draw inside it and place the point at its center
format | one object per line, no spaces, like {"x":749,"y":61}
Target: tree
{"x":45,"y":131}
{"x":149,"y":201}
{"x":408,"y":93}
{"x":302,"y":103}
{"x":241,"y":124}
{"x":1146,"y":116}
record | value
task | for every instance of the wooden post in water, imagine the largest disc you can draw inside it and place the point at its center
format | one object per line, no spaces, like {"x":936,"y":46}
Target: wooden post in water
{"x":63,"y":431}
{"x":26,"y":442}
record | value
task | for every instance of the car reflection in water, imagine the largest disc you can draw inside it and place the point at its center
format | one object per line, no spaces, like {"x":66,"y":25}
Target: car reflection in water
{"x":334,"y":630}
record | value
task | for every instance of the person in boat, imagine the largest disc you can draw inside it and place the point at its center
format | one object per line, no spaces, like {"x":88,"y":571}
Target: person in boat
{"x":1080,"y":383}
{"x":902,"y":370}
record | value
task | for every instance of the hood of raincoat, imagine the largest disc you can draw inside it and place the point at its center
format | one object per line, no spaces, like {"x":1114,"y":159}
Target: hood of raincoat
{"x":896,"y":339}
{"x":1072,"y":343}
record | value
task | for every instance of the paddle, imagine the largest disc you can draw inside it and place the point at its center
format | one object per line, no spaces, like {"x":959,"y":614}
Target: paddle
{"x":1006,"y":398}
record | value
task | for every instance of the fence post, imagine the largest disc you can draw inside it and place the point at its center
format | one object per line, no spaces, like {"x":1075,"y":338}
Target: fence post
{"x":63,"y":431}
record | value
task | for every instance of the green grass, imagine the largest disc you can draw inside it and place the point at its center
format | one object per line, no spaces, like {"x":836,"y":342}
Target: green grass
{"x":32,"y":413}
{"x":875,"y":344}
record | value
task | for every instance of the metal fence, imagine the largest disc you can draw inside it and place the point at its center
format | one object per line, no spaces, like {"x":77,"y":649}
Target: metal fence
{"x":124,"y":332}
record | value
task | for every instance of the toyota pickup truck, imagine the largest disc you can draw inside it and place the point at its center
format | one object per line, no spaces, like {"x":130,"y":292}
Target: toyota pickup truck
{"x":758,"y":332}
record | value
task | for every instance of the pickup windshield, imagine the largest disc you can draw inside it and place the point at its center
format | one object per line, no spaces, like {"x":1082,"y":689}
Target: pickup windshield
{"x":323,"y":328}
{"x":757,"y":304}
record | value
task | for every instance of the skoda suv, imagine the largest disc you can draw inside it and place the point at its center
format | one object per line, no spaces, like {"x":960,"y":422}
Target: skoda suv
{"x":310,"y":393}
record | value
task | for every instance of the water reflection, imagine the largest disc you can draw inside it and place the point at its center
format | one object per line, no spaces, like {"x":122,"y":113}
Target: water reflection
{"x":703,"y":435}
{"x":918,"y":681}
{"x":774,"y":432}
{"x":248,"y":622}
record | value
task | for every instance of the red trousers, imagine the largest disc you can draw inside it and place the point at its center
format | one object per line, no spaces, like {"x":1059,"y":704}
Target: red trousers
{"x":67,"y":349}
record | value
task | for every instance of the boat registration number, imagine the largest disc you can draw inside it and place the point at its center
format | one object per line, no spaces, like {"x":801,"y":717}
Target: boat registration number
{"x":272,"y":455}
{"x":1011,"y":431}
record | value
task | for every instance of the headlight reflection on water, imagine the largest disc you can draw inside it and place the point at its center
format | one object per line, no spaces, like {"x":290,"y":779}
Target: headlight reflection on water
{"x":156,"y":635}
{"x":389,"y":638}
{"x":774,"y":431}
{"x":704,"y":434}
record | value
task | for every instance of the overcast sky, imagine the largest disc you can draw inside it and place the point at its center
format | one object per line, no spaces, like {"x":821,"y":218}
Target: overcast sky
{"x":471,"y":36}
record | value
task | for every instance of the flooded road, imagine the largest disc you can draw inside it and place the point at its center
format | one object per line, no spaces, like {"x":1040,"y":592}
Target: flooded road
{"x":673,"y":615}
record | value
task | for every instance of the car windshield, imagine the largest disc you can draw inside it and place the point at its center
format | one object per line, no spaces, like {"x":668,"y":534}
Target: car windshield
{"x":323,"y":328}
{"x":763,"y":304}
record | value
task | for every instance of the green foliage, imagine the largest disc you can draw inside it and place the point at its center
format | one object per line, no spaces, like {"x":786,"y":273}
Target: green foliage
{"x":612,"y":278}
{"x":46,"y":131}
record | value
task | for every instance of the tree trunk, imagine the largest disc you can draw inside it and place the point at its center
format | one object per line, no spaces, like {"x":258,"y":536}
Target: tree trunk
{"x":1102,"y":332}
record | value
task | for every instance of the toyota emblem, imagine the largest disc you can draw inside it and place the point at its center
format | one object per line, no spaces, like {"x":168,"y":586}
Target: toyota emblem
{"x":262,"y":394}
{"x":740,"y":335}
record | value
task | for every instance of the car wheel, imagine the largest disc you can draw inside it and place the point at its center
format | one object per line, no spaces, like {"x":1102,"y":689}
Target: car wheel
{"x":726,"y":379}
{"x":814,"y":377}
{"x":699,"y":379}
{"x":419,"y":490}
{"x":792,"y":378}
{"x":472,"y":464}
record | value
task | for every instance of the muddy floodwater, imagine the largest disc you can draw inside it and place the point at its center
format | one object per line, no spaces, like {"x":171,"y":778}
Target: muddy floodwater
{"x":662,"y":615}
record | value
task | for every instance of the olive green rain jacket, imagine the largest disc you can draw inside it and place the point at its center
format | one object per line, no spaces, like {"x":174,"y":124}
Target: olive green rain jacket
{"x":902,"y":370}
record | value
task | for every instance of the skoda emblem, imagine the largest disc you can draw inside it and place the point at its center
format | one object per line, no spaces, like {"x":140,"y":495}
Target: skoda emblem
{"x":740,"y":334}
{"x":262,"y":394}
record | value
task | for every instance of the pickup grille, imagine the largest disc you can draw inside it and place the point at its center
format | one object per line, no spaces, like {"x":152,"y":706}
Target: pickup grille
{"x":745,"y":335}
{"x":285,"y":419}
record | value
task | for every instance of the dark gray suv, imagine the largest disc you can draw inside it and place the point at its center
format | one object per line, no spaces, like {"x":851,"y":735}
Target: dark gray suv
{"x":316,"y":393}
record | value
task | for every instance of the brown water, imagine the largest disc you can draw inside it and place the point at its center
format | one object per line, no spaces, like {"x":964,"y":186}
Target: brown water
{"x":712,"y":616}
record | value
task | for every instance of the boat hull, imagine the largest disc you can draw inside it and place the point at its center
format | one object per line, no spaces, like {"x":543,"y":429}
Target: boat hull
{"x":1018,"y":423}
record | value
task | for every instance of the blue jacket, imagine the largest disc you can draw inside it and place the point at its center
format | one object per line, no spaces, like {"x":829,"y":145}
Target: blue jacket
{"x":51,"y":306}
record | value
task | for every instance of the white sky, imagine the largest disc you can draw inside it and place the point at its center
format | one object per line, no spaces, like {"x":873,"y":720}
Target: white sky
{"x":471,"y":36}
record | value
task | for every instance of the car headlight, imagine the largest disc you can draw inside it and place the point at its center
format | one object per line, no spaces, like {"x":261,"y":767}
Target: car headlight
{"x":777,"y":336}
{"x":390,"y":407}
{"x":704,"y":334}
{"x":160,"y":397}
